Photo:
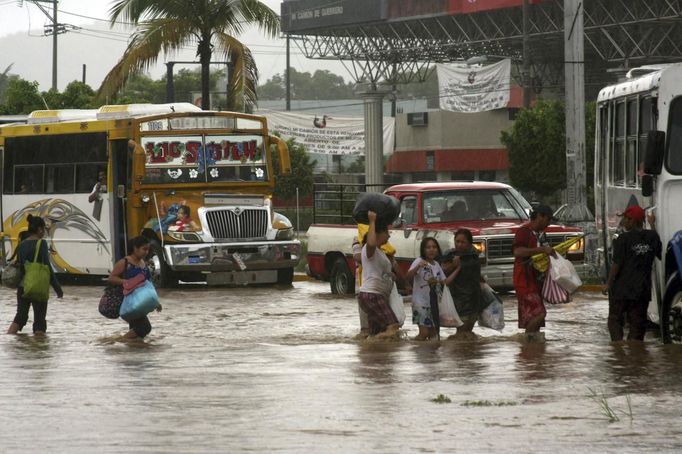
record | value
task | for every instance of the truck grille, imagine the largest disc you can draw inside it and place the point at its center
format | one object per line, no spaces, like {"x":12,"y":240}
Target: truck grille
{"x":248,"y":224}
{"x":501,"y":248}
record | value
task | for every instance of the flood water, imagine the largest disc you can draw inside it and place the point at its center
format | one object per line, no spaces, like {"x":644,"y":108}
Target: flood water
{"x":262,"y":369}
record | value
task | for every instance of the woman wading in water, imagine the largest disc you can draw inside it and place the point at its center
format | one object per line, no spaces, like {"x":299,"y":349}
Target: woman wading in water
{"x":127,"y":268}
{"x":26,"y":252}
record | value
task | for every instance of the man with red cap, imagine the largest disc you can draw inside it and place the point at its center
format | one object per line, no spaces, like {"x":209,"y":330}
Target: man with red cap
{"x":629,"y":281}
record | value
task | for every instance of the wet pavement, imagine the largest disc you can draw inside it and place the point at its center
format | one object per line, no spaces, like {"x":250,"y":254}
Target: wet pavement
{"x":262,"y":369}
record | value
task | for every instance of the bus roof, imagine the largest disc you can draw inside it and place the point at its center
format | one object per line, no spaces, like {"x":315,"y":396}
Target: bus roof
{"x":10,"y":119}
{"x":643,"y":79}
{"x":110,"y":112}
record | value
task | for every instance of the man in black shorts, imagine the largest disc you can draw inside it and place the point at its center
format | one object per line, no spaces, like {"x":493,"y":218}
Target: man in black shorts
{"x":629,"y":282}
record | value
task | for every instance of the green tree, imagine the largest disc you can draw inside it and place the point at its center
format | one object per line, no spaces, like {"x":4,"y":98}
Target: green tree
{"x":322,"y":84}
{"x":537,"y":149}
{"x":78,"y":95}
{"x":22,"y":97}
{"x":170,"y":25}
{"x":5,"y":77}
{"x":301,"y":173}
{"x":273,"y":88}
{"x":140,"y":88}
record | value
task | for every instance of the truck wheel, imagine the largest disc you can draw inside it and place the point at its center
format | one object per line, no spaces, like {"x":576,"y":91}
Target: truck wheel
{"x":162,"y":275}
{"x":671,"y":312}
{"x":341,"y":280}
{"x":285,"y":276}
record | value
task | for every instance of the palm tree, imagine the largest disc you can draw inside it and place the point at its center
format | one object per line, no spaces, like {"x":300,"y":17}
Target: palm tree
{"x":170,"y":25}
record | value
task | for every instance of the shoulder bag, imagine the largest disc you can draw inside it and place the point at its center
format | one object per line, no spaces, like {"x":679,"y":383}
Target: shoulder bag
{"x":36,"y":278}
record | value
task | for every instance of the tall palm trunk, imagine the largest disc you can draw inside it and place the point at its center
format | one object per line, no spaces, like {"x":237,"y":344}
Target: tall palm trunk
{"x":205,"y":53}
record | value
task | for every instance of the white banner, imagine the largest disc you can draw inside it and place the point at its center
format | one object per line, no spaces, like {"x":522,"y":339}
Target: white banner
{"x":473,"y":89}
{"x":326,"y":134}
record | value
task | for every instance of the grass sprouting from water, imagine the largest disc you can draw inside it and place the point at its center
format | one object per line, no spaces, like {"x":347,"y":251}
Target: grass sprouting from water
{"x":610,"y":413}
{"x":441,"y":399}
{"x":487,"y":403}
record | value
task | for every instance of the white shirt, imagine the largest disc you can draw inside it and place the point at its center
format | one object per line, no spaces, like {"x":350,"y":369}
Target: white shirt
{"x":377,"y":275}
{"x":420,"y":286}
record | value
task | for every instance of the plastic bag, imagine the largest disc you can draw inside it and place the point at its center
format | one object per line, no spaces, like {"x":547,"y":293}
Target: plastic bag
{"x":11,"y":275}
{"x":563,"y":273}
{"x":449,"y":318}
{"x":110,"y":303}
{"x":36,"y":279}
{"x":488,"y":296}
{"x":386,"y":207}
{"x":397,"y":305}
{"x":553,"y":293}
{"x":140,"y":302}
{"x":492,"y":316}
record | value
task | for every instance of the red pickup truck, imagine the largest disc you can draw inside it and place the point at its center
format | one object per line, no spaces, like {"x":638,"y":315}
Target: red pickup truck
{"x":492,"y":211}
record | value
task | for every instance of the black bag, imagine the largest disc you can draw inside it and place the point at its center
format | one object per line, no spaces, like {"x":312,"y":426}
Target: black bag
{"x":386,"y":207}
{"x":110,"y":303}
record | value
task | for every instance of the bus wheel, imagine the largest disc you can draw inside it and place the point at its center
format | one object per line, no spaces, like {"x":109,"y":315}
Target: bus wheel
{"x":341,"y":280}
{"x":671,"y":312}
{"x":162,"y":275}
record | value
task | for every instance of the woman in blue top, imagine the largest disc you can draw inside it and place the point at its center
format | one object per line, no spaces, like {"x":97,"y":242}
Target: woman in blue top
{"x":127,"y":268}
{"x":25,"y":253}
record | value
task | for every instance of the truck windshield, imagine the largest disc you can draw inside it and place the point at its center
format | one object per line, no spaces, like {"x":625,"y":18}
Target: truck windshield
{"x":471,"y":205}
{"x":674,"y":161}
{"x":204,"y":159}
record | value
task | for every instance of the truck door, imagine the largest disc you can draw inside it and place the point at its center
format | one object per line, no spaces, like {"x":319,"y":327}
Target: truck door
{"x":403,"y":236}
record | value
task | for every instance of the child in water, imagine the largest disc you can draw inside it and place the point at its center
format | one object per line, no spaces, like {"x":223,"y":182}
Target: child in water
{"x":427,"y":277}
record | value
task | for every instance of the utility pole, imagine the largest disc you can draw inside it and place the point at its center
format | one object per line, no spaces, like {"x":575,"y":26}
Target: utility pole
{"x":574,"y":58}
{"x":55,"y":32}
{"x":287,"y":75}
{"x":526,"y":55}
{"x":55,"y":29}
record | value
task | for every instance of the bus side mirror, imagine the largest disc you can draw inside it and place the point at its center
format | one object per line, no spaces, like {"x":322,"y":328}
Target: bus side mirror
{"x":655,"y":147}
{"x":139,"y":161}
{"x":283,"y":153}
{"x":647,"y":185}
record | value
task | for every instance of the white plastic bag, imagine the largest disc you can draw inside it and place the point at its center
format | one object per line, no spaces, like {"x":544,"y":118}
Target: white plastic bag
{"x":492,"y":316}
{"x":563,"y":273}
{"x":397,"y":306}
{"x":449,"y":318}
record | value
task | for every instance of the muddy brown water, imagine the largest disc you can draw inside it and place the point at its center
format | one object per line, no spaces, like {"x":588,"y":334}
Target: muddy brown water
{"x":262,"y":369}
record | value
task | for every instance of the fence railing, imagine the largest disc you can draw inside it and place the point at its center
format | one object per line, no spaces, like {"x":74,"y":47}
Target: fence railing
{"x":333,"y":202}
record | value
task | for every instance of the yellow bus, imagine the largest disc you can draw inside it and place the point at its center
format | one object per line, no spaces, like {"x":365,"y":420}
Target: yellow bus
{"x":197,"y":183}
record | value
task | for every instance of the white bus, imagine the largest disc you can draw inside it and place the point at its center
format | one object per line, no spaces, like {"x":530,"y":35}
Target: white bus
{"x":638,"y":160}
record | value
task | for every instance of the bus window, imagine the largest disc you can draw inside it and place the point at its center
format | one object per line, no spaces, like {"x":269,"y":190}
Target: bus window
{"x":674,"y":160}
{"x":86,"y":176}
{"x":603,"y":143}
{"x":28,"y":179}
{"x":646,"y":116}
{"x":59,"y":179}
{"x":617,"y":161}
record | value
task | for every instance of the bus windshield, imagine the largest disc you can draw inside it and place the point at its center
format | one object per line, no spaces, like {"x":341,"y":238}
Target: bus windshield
{"x":206,"y":158}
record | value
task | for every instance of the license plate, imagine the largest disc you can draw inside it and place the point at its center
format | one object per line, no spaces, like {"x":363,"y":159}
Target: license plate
{"x":239,"y":261}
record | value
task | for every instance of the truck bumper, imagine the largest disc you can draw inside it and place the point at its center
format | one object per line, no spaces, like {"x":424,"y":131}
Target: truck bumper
{"x":501,"y":276}
{"x":252,"y":262}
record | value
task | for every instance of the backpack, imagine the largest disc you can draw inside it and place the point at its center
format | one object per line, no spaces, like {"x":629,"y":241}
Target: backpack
{"x":36,"y":279}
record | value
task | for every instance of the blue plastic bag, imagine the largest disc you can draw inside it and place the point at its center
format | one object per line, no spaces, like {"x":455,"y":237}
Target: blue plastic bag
{"x":140,"y":302}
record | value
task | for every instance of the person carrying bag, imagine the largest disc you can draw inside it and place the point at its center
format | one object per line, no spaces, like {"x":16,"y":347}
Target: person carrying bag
{"x":36,"y":278}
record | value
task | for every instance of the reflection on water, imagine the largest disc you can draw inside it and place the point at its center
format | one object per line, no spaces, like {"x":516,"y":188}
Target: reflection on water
{"x":264,"y":369}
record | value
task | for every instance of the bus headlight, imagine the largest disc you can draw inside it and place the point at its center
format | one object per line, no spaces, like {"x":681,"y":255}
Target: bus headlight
{"x":285,"y":234}
{"x":190,"y":237}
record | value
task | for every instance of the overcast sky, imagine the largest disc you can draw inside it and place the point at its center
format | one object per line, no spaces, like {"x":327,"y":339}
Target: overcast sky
{"x":96,"y":45}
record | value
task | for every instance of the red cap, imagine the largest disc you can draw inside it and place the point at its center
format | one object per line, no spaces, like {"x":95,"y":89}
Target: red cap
{"x":635,"y":212}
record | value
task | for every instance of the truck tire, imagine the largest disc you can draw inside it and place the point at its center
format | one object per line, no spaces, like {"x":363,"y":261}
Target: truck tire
{"x":671,"y":312}
{"x":285,"y":276}
{"x":162,"y":275}
{"x":341,"y":280}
